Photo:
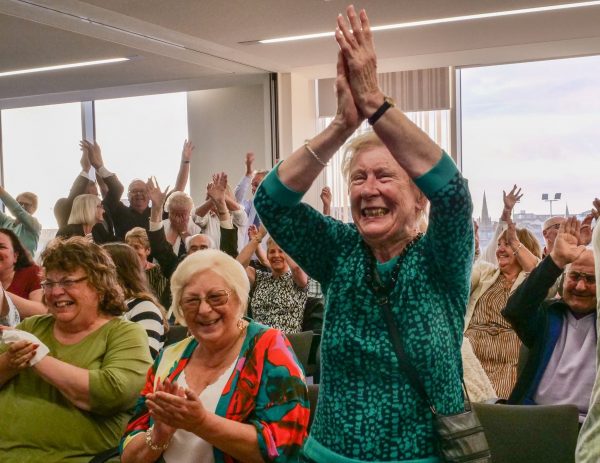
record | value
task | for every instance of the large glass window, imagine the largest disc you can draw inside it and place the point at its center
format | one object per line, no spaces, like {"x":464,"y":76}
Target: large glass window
{"x":41,"y":153}
{"x":143,"y":136}
{"x":534,"y":125}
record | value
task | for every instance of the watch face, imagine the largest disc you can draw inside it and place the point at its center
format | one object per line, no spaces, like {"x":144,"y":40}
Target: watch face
{"x":390,"y":101}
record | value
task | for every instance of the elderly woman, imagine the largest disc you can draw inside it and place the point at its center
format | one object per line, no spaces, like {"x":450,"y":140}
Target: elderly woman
{"x":278,"y":296}
{"x":233,"y":391}
{"x":142,"y":305}
{"x":368,"y":410}
{"x":68,"y":379}
{"x":179,"y":225}
{"x":86,"y":219}
{"x":488,"y":335}
{"x":137,"y":238}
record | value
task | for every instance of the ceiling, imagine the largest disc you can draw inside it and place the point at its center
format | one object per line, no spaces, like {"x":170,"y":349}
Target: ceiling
{"x":187,"y":44}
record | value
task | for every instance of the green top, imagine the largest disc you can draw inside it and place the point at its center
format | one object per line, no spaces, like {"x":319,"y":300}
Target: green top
{"x":367,"y":409}
{"x":39,"y":424}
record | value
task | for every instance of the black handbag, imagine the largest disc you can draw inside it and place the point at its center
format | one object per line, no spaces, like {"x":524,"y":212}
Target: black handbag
{"x":460,"y":437}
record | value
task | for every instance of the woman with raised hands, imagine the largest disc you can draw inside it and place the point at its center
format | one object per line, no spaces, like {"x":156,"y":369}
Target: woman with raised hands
{"x":368,"y":409}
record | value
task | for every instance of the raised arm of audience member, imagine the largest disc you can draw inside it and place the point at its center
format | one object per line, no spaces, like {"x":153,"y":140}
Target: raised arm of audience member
{"x":31,"y":228}
{"x":256,"y":236}
{"x":102,"y":186}
{"x":488,"y":254}
{"x":242,"y":187}
{"x":527,"y":260}
{"x":184,"y":167}
{"x":114,"y":186}
{"x":326,"y":199}
{"x":216,"y":192}
{"x":81,"y":185}
{"x":522,"y":305}
{"x":299,"y":276}
{"x":204,"y":208}
{"x":161,"y":249}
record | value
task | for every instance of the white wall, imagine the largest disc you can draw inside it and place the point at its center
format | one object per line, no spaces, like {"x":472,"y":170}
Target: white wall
{"x":224,"y":124}
{"x":298,"y":122}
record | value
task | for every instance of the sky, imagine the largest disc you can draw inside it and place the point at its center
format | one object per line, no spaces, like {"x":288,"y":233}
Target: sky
{"x":534,"y":125}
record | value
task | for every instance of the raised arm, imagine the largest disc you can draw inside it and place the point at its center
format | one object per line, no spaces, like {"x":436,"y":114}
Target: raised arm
{"x":159,"y":246}
{"x":527,"y":260}
{"x":184,"y":167}
{"x":299,"y":276}
{"x":242,"y":187}
{"x":20,"y":214}
{"x":216,"y":191}
{"x":326,"y":200}
{"x":114,"y":187}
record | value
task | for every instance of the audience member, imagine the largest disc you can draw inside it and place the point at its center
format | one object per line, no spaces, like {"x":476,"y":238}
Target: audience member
{"x":86,"y":219}
{"x":179,"y":225}
{"x":142,"y":305}
{"x":559,"y":333}
{"x":278,"y":296}
{"x":588,"y":444}
{"x":137,"y":238}
{"x":549,"y":231}
{"x":18,"y":273}
{"x":368,"y":410}
{"x":233,"y":391}
{"x":207,"y":216}
{"x":160,"y":247}
{"x":68,"y":378}
{"x":24,"y":225}
{"x":137,"y":213}
{"x":250,"y":180}
{"x":487,"y":334}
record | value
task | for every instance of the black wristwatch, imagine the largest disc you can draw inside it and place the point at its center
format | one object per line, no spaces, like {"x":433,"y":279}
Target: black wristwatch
{"x":387,"y":104}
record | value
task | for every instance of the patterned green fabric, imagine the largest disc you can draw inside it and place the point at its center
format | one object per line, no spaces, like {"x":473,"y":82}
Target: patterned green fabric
{"x":367,"y":410}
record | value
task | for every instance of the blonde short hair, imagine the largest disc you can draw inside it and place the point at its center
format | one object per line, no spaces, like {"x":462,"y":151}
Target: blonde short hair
{"x":32,"y":197}
{"x":83,"y":211}
{"x":216,"y":261}
{"x":138,"y":235}
{"x":358,"y":144}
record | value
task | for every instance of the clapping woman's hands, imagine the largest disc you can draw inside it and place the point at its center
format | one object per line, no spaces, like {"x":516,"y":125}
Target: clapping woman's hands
{"x":359,"y":61}
{"x":174,"y":407}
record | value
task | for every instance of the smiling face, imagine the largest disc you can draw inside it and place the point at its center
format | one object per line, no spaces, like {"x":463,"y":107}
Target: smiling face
{"x":75,"y":305}
{"x":505,"y":255}
{"x":578,"y":293}
{"x":383,"y":198}
{"x":214,"y":324}
{"x":276,"y":258}
{"x":138,"y":196}
{"x":142,"y":251}
{"x":8,"y":256}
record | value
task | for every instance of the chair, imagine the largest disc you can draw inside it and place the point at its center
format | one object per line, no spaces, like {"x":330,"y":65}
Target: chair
{"x":306,"y":345}
{"x":530,"y":433}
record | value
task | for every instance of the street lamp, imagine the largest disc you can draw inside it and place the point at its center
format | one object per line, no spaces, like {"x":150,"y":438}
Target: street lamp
{"x":556,"y":198}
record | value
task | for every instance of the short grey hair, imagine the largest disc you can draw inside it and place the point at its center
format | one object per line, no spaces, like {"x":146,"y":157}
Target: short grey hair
{"x":211,"y":242}
{"x":84,"y":210}
{"x":179,"y":199}
{"x":216,"y":261}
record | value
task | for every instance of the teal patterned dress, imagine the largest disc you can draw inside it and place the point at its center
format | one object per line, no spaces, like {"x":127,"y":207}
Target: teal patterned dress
{"x":367,"y":410}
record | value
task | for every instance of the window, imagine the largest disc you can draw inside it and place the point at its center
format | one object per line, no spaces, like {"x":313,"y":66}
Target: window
{"x":143,"y":136}
{"x":534,"y":125}
{"x":41,"y":154}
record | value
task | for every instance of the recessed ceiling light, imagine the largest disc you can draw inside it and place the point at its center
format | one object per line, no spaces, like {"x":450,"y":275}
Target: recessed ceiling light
{"x":62,"y":66}
{"x":427,"y":22}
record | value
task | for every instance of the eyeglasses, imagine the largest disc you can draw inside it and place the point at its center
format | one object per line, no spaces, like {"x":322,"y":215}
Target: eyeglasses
{"x":214,"y":299}
{"x":67,"y":284}
{"x":576,"y":276}
{"x":24,"y":205}
{"x":137,"y":192}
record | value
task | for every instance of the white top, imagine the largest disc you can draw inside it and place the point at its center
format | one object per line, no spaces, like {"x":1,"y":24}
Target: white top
{"x":569,"y":376}
{"x":186,"y":447}
{"x":211,"y":225}
{"x":192,"y":229}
